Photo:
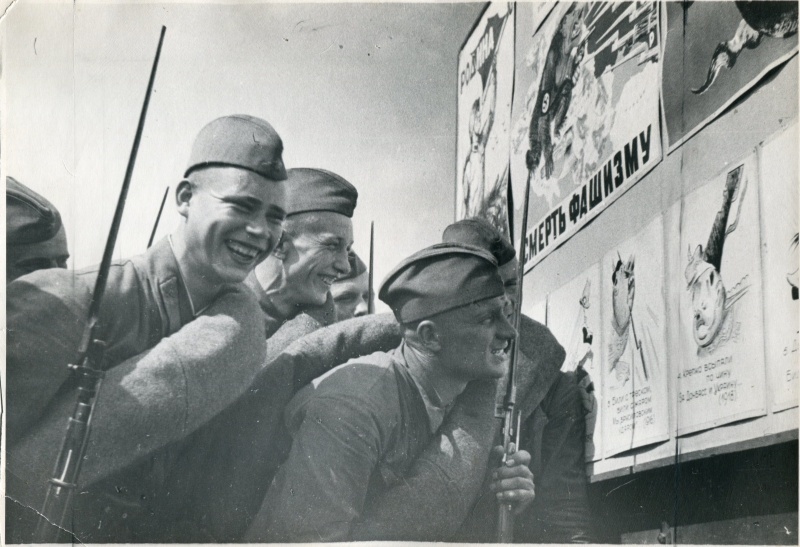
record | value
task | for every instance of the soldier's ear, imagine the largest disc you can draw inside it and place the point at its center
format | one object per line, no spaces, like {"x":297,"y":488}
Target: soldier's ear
{"x":183,"y":195}
{"x":428,"y":334}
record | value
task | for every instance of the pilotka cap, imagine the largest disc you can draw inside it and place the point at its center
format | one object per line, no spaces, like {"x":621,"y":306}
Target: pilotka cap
{"x":310,"y":190}
{"x":477,"y":232}
{"x":239,"y":141}
{"x":357,"y":267}
{"x":30,"y":218}
{"x":439,"y":278}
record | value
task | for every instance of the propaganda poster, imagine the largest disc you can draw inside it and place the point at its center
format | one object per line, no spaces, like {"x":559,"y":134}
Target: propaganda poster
{"x":778,"y":164}
{"x":714,"y":52}
{"x":721,"y":376}
{"x":485,"y":87}
{"x":635,"y":379}
{"x":573,"y":316}
{"x":585,"y":114}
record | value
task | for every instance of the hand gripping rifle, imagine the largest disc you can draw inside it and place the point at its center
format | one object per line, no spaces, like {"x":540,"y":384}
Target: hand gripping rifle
{"x":370,"y":275}
{"x":505,"y":520}
{"x":61,"y":487}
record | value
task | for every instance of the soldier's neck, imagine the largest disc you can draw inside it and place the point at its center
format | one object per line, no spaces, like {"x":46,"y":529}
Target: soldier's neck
{"x":202,"y":291}
{"x":440,"y":387}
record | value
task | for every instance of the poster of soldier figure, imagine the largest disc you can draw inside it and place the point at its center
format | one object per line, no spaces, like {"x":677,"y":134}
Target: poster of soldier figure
{"x":780,"y":241}
{"x":733,"y":45}
{"x":721,"y":376}
{"x":573,"y":316}
{"x":485,"y":87}
{"x":585,"y":115}
{"x":634,"y":335}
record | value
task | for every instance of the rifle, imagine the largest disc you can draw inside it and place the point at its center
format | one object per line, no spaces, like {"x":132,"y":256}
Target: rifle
{"x":61,"y":487}
{"x":505,"y":520}
{"x":158,"y":218}
{"x":371,"y":302}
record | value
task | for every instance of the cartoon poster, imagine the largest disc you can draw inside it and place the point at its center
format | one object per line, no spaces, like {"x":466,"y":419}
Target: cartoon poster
{"x":585,"y":115}
{"x":573,"y":316}
{"x":485,"y":87}
{"x":779,"y":212}
{"x":733,"y":45}
{"x":636,"y":410}
{"x":721,"y":375}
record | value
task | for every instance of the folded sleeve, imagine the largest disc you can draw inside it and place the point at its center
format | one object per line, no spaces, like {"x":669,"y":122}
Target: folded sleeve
{"x":158,"y":396}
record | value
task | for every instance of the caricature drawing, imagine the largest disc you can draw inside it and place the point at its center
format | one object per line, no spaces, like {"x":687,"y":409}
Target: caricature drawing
{"x":713,"y":306}
{"x":775,"y":19}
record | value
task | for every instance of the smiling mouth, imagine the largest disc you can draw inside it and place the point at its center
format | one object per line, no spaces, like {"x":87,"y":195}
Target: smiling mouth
{"x":503,"y":351}
{"x":243,"y":251}
{"x":328,"y":279}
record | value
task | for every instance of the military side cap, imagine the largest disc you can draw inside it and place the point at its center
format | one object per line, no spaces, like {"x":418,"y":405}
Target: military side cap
{"x":479,"y":233}
{"x":310,"y":190}
{"x":30,"y":218}
{"x":357,"y":267}
{"x":239,"y":141}
{"x":440,"y":278}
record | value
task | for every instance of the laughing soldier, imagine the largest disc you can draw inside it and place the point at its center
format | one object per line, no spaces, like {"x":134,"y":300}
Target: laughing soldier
{"x":238,"y":453}
{"x":359,"y":429}
{"x":170,"y":318}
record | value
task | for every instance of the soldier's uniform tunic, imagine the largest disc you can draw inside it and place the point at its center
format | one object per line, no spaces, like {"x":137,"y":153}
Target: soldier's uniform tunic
{"x":163,"y":378}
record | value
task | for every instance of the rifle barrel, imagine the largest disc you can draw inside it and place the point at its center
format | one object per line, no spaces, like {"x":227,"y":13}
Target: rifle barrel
{"x":158,"y":218}
{"x":370,"y":276}
{"x":505,"y":521}
{"x":61,"y":487}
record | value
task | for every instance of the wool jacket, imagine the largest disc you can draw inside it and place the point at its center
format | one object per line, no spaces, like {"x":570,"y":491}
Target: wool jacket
{"x":440,"y":491}
{"x":163,"y":375}
{"x":356,"y":432}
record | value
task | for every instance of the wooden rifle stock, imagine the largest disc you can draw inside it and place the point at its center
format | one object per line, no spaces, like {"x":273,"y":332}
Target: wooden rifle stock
{"x":61,"y":487}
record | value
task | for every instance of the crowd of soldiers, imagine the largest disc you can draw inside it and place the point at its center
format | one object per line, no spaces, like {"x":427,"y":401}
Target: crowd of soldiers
{"x":249,"y":396}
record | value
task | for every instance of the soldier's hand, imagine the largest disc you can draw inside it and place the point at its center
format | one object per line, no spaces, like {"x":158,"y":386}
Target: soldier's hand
{"x":512,"y":481}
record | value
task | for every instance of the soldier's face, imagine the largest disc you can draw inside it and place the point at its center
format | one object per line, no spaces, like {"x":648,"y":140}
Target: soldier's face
{"x":350,"y":297}
{"x":475,"y":339}
{"x":234,"y":219}
{"x":708,"y":306}
{"x":622,"y":298}
{"x":316,"y":256}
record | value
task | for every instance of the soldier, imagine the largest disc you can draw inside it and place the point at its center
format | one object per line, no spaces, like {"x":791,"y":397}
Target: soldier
{"x":35,"y":235}
{"x":553,"y":424}
{"x":351,"y":292}
{"x":181,"y":344}
{"x":239,"y":451}
{"x":313,"y":253}
{"x":359,"y":428}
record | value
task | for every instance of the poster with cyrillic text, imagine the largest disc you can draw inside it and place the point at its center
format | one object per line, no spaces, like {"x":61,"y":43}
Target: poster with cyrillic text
{"x":721,"y":375}
{"x":635,"y":382}
{"x":485,"y":86}
{"x":585,"y":118}
{"x":779,"y":212}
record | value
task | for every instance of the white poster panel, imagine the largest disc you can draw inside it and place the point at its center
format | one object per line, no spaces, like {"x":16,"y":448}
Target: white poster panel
{"x":485,"y":88}
{"x":635,"y":389}
{"x":573,"y":316}
{"x":721,"y":377}
{"x":585,"y":115}
{"x":779,"y":212}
